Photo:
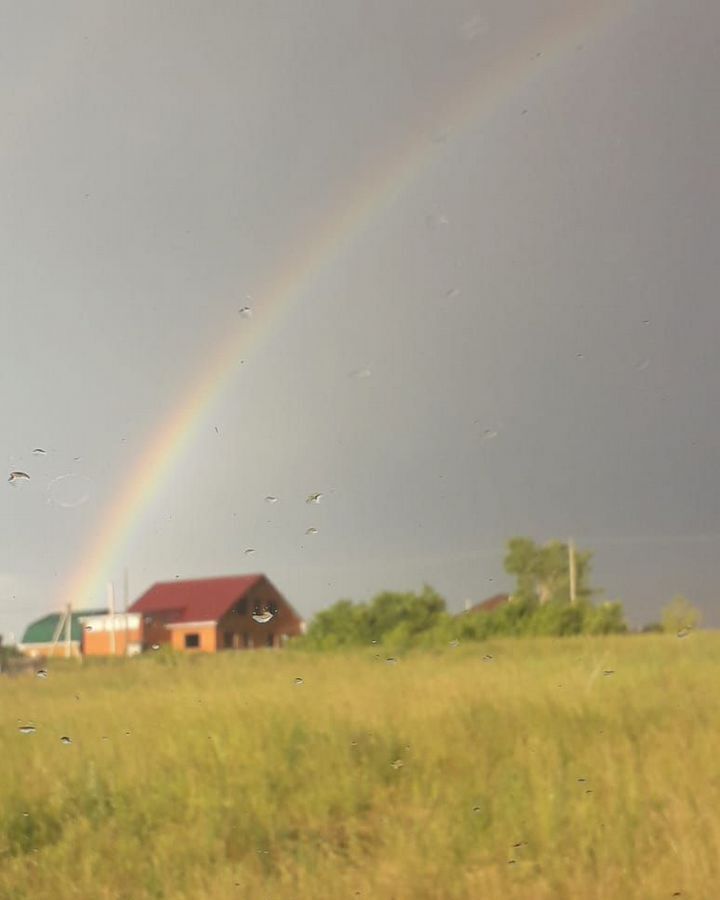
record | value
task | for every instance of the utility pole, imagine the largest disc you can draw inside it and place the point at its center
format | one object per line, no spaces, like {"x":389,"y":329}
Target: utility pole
{"x":111,"y":607}
{"x":573,"y":575}
{"x":126,"y":597}
{"x":68,"y":631}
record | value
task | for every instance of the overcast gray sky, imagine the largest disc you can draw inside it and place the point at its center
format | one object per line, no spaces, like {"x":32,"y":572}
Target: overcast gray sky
{"x":532,"y":293}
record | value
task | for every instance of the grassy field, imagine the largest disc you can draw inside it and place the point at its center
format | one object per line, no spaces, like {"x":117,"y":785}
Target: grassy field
{"x":445,"y":775}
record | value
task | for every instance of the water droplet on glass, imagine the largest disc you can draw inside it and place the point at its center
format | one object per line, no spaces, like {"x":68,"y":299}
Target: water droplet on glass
{"x":477,"y":809}
{"x":489,"y":435}
{"x":246,"y":312}
{"x":646,"y":321}
{"x":452,"y":293}
{"x":311,"y":531}
{"x":487,"y":658}
{"x":684,"y":632}
{"x":314,"y":498}
{"x":15,"y":477}
{"x":609,"y":672}
{"x":38,"y":451}
{"x":156,"y":646}
{"x":271,"y":499}
{"x":511,"y":862}
{"x":27,"y":729}
{"x":65,"y":740}
{"x":580,"y":355}
{"x":88,"y":628}
{"x":474,"y":27}
{"x":249,"y":551}
{"x":455,"y":643}
{"x":391,"y":661}
{"x":263,"y":614}
{"x":42,"y":673}
{"x":299,"y":681}
{"x":582,"y":780}
{"x":69,"y":491}
{"x":437,"y":221}
{"x":641,"y":366}
{"x":398,"y":764}
{"x":360,"y":373}
{"x":519,"y":844}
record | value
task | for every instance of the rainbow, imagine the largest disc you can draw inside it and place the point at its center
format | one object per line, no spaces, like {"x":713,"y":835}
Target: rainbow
{"x":384,"y":183}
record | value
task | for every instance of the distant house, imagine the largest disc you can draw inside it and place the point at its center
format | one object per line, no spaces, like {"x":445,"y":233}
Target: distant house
{"x":490,"y":605}
{"x":47,"y":637}
{"x":212,"y":614}
{"x":111,"y":634}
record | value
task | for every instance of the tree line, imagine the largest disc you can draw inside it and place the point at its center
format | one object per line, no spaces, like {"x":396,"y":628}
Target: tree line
{"x":546,"y":600}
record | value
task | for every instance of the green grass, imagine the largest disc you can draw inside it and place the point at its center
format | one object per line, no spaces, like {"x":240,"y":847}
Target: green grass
{"x":219,"y":777}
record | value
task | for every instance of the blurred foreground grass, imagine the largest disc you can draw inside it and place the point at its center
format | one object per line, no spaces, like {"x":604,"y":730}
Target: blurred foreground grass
{"x":446,"y":775}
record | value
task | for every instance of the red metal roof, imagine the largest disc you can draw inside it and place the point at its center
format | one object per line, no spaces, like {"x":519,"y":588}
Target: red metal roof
{"x":199,"y":600}
{"x":491,"y":604}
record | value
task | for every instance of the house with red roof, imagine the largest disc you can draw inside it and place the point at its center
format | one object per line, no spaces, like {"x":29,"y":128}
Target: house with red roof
{"x":490,"y":605}
{"x":204,"y":614}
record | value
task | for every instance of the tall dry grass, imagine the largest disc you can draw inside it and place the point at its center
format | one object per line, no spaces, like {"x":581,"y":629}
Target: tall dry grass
{"x":219,"y":777}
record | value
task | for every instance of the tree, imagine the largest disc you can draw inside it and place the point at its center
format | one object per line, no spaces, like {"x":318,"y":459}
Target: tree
{"x":390,"y":616}
{"x":679,"y":615}
{"x":414,"y":612}
{"x":341,"y":625}
{"x":543,"y":572}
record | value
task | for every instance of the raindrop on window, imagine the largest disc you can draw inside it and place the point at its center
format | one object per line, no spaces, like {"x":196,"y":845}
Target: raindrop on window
{"x":246,"y":312}
{"x":360,"y":373}
{"x":487,"y":658}
{"x":455,"y":643}
{"x":27,"y":729}
{"x":263,"y":614}
{"x":314,"y":498}
{"x":474,"y":27}
{"x":489,"y":435}
{"x":641,"y":366}
{"x":311,"y":531}
{"x":299,"y":680}
{"x":69,"y":491}
{"x":452,"y":293}
{"x":156,"y":646}
{"x":391,"y":661}
{"x":65,"y":740}
{"x":38,"y":451}
{"x":249,"y":551}
{"x":41,"y":673}
{"x":609,"y":672}
{"x":437,"y":221}
{"x":398,"y":764}
{"x":16,"y":477}
{"x":271,"y":499}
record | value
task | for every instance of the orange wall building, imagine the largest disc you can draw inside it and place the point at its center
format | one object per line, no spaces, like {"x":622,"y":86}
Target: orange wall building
{"x":211,"y":614}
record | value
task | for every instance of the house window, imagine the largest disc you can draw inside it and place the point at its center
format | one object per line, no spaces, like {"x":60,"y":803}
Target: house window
{"x":227,"y":640}
{"x":192,"y":640}
{"x":270,"y":639}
